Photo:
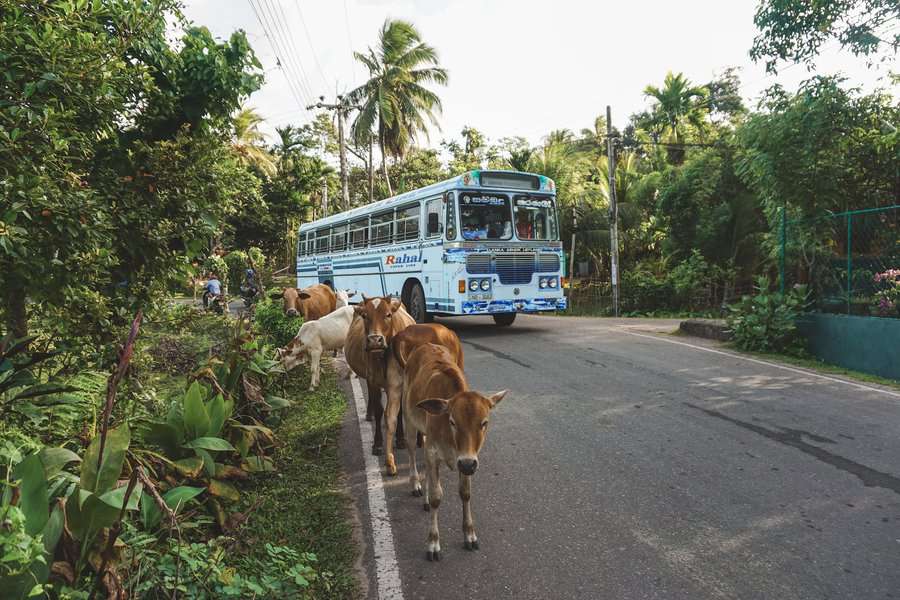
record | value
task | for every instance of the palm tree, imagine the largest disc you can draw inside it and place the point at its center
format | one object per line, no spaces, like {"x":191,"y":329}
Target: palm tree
{"x":394,"y":102}
{"x":679,"y":104}
{"x":249,"y":141}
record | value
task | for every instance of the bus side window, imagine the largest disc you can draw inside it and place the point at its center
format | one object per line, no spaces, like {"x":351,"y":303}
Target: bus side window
{"x":338,"y":238}
{"x":382,"y":228}
{"x":433,"y":218}
{"x":322,"y":241}
{"x":408,"y":223}
{"x":359,"y":233}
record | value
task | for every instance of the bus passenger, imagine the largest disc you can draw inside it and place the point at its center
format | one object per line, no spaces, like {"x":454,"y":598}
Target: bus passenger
{"x":524,"y":228}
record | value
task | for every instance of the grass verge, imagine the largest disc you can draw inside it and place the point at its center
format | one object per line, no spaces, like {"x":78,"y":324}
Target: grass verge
{"x":814,"y":364}
{"x":303,"y":505}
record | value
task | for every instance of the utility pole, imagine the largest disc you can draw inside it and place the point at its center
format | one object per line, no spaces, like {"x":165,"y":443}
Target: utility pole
{"x":371,"y":171}
{"x":324,"y":196}
{"x":342,"y":108}
{"x":613,"y":213}
{"x":572,"y":249}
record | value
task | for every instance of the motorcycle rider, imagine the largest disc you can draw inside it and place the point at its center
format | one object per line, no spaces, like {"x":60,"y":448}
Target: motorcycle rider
{"x":213,"y":289}
{"x":249,"y":288}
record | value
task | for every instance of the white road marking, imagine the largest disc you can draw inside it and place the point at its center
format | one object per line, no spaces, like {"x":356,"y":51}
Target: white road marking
{"x":767,"y":363}
{"x":387,"y":573}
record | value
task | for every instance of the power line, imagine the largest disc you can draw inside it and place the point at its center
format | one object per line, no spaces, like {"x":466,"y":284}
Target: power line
{"x":350,"y":39}
{"x":271,"y":22}
{"x":275,"y":50}
{"x":311,"y":47}
{"x":288,"y":42}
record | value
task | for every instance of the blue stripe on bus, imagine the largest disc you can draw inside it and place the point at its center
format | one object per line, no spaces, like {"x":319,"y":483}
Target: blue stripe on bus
{"x":372,"y":265}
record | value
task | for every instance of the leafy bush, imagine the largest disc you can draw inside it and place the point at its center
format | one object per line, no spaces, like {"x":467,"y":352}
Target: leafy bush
{"x":216,"y":264}
{"x":202,"y":570}
{"x":236,"y":261}
{"x":24,"y":568}
{"x":271,"y":321}
{"x":767,"y":321}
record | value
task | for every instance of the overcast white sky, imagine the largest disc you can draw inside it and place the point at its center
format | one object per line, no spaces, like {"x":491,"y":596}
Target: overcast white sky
{"x":517,"y":67}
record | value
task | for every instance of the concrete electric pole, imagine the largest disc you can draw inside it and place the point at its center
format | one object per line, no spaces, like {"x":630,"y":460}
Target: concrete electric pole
{"x":613,"y":213}
{"x":342,"y":109}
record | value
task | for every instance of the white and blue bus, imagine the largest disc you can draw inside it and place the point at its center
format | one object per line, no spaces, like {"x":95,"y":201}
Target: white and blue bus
{"x":482,"y":243}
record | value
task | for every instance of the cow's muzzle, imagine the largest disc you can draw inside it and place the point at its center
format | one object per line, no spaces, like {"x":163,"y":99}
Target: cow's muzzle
{"x":467,"y":466}
{"x":291,"y":312}
{"x":376,"y":343}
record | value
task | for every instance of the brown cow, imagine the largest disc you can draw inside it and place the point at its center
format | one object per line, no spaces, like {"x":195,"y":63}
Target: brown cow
{"x":312,"y":303}
{"x":379,"y":340}
{"x":437,"y":402}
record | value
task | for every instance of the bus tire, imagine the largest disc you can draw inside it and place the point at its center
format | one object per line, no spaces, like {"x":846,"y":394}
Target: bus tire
{"x":415,"y":304}
{"x":504,"y":319}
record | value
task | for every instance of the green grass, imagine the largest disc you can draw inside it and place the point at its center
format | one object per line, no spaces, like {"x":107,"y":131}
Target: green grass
{"x":303,"y":505}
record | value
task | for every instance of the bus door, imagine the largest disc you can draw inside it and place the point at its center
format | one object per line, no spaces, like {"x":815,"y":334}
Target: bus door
{"x":432,"y":251}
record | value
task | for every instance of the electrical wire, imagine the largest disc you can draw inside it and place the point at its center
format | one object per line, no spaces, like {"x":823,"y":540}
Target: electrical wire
{"x":276,"y":50}
{"x":311,"y":46}
{"x":280,"y":23}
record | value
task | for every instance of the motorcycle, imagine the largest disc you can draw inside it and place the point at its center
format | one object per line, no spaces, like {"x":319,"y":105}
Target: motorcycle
{"x":249,"y":294}
{"x":217,"y":304}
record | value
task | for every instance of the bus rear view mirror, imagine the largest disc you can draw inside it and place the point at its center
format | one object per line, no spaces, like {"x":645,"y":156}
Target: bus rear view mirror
{"x":434,"y":225}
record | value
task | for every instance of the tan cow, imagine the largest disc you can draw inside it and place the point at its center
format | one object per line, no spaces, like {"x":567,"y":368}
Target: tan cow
{"x":380,"y":338}
{"x":312,"y":303}
{"x":437,"y":402}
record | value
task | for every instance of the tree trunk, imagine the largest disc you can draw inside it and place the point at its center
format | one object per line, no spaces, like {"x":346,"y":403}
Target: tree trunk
{"x":384,"y":170}
{"x":371,"y":171}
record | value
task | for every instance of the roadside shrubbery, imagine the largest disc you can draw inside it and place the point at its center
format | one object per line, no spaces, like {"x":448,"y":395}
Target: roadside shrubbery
{"x":271,"y":320}
{"x":767,"y":321}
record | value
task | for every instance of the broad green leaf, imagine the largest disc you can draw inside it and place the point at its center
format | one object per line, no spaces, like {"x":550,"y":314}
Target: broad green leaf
{"x":277,"y":403}
{"x":213,"y":444}
{"x":174,"y":499}
{"x":209,"y":464}
{"x":223,"y":489}
{"x":217,"y":415}
{"x":101,"y":481}
{"x":53,"y":529}
{"x":116,"y":497}
{"x":54,"y":459}
{"x":89,"y":516}
{"x":166,"y":436}
{"x":196,"y":420}
{"x":259,"y":464}
{"x":34,"y":500}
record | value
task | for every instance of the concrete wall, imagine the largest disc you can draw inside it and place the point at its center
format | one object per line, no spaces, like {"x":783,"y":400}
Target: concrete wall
{"x":867,"y":344}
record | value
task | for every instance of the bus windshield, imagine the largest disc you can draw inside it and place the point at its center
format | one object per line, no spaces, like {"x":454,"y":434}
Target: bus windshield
{"x":485,"y":216}
{"x":535,"y":218}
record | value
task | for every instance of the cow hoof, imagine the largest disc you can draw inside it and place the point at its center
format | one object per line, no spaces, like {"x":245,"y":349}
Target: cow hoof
{"x":390,"y":472}
{"x":433,"y":556}
{"x":470,"y":545}
{"x":426,"y":506}
{"x":377,"y":450}
{"x":417,"y":493}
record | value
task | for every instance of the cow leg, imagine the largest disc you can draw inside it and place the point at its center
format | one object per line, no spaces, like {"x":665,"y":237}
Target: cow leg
{"x":435,"y":494}
{"x":377,"y":411}
{"x":414,"y":481}
{"x":315,"y":358}
{"x":401,"y":436}
{"x":393,"y":409}
{"x":465,"y":492}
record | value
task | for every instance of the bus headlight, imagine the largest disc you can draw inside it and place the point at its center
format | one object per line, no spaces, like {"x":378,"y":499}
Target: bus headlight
{"x":552,"y":282}
{"x":485,"y":285}
{"x":473,"y":285}
{"x":543,"y":282}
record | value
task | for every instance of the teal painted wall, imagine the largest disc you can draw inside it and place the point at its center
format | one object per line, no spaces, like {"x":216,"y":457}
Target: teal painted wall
{"x":867,"y":344}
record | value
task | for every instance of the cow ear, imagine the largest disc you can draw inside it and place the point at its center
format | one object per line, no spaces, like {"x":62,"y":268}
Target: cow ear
{"x":304,"y":296}
{"x":395,"y":304}
{"x":434,"y":406}
{"x":351,"y":294}
{"x":496,"y":397}
{"x":359,"y":309}
{"x":365,"y":298}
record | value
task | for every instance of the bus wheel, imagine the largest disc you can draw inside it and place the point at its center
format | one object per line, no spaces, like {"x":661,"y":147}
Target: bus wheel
{"x":504,"y":319}
{"x":416,"y":304}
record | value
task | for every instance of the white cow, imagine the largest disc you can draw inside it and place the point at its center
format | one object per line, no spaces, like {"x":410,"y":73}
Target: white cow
{"x":343,"y":297}
{"x":315,"y":337}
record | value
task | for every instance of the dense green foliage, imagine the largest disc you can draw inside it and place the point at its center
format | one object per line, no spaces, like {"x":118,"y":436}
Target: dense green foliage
{"x":767,"y":321}
{"x":271,"y":320}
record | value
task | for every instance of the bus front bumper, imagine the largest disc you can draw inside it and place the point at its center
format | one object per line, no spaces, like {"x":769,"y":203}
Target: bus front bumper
{"x":525,"y":305}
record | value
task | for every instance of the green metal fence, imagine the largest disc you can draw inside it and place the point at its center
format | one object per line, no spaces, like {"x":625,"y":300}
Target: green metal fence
{"x":850,"y":261}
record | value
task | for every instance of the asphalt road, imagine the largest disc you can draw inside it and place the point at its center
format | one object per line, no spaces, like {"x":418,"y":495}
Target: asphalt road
{"x":625,"y":464}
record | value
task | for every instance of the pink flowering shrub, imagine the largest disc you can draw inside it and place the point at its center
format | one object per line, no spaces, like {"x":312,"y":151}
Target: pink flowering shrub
{"x":887,"y":298}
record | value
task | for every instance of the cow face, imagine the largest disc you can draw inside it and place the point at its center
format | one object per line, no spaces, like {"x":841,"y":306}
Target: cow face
{"x":468,"y":414}
{"x":291,"y":306}
{"x":291,"y":355}
{"x":377,"y":315}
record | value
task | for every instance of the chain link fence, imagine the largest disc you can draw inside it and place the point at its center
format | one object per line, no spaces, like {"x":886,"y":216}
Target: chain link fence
{"x":849,"y":262}
{"x":649,"y":296}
